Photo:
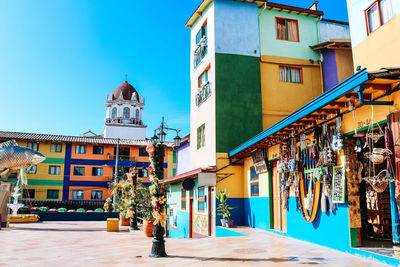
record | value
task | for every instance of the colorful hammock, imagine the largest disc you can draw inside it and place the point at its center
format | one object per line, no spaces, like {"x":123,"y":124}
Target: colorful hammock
{"x":316,"y":201}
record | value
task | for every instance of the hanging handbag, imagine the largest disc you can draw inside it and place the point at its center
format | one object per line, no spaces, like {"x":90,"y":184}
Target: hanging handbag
{"x":308,"y":200}
{"x":324,"y":206}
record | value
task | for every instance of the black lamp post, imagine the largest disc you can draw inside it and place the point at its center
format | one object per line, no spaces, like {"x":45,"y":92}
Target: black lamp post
{"x":158,"y":248}
{"x":134,"y":225}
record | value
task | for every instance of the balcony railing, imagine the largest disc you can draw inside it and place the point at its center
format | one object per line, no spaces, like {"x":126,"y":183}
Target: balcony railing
{"x":203,"y":92}
{"x":200,"y":51}
{"x":121,"y":157}
{"x":122,"y":120}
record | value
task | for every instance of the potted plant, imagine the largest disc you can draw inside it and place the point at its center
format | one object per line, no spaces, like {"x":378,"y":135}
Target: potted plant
{"x":122,"y":189}
{"x":146,"y":208}
{"x":224,"y":209}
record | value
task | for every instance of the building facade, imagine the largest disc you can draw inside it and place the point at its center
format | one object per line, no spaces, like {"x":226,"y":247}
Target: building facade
{"x":81,"y":168}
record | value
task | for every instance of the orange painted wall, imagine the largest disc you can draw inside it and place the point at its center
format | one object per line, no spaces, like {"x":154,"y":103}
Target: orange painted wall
{"x":87,"y":192}
{"x":107,"y":173}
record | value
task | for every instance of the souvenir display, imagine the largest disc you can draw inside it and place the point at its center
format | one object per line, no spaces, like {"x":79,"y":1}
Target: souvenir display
{"x":338,"y":183}
{"x":352,"y":175}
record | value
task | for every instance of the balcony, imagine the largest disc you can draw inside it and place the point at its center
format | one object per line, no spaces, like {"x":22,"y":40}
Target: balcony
{"x":120,"y":120}
{"x":200,"y":51}
{"x":203,"y":92}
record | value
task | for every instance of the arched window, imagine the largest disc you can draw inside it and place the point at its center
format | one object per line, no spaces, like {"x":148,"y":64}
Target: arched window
{"x":126,"y":113}
{"x":114,"y":113}
{"x":137,"y":114}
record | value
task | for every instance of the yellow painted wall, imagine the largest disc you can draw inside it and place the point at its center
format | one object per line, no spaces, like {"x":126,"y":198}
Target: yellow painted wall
{"x":262,"y":180}
{"x":362,"y":115}
{"x":171,"y":164}
{"x":279,"y":99}
{"x":234,"y":183}
{"x":381,"y":48}
{"x":41,"y":191}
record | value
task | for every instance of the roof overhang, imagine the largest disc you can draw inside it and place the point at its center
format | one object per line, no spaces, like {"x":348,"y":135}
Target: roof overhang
{"x":308,"y":12}
{"x":183,"y":176}
{"x":358,"y":89}
{"x":334,"y":44}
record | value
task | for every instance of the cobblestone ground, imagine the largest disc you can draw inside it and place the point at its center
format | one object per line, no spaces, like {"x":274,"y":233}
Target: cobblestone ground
{"x":88,"y":244}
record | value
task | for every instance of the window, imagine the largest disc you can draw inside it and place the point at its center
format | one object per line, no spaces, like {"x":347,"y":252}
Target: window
{"x":56,"y":148}
{"x":30,"y":193}
{"x":80,"y":149}
{"x":174,"y":156}
{"x":290,"y":74}
{"x":32,"y":169}
{"x":137,"y":114}
{"x":79,"y":171}
{"x":96,"y":195}
{"x":114,"y":113}
{"x":173,"y":171}
{"x":33,"y":145}
{"x":127,"y":113}
{"x":203,"y":79}
{"x":97,"y":171}
{"x":143,"y":173}
{"x":54,"y":170}
{"x":378,"y":14}
{"x":143,"y":152}
{"x":183,"y":199}
{"x":201,"y":136}
{"x":287,"y":29}
{"x":201,"y":199}
{"x":77,"y":194}
{"x":201,"y":33}
{"x":52,"y":194}
{"x":254,"y":186}
{"x":98,"y":150}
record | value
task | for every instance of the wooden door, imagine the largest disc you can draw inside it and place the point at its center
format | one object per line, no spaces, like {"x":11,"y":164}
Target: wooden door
{"x":279,"y":213}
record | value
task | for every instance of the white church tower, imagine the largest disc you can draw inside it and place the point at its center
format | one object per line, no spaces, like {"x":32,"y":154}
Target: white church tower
{"x":124,"y":116}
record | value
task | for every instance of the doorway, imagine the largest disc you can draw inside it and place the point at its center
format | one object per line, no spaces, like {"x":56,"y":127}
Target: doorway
{"x":278,"y":213}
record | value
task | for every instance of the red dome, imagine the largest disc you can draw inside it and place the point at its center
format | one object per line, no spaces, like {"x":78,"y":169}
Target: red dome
{"x":127,"y":90}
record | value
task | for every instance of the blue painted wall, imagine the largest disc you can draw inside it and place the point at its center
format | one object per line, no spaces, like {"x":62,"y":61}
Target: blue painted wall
{"x":330,"y":30}
{"x":330,"y":230}
{"x":182,"y":229}
{"x":236,"y":28}
{"x":236,"y":214}
{"x":256,"y":212}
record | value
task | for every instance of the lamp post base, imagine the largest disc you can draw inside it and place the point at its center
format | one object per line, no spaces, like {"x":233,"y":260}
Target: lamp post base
{"x":158,"y":248}
{"x":133,"y":225}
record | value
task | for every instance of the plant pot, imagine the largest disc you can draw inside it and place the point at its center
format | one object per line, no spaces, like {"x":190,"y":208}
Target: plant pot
{"x":148,"y":227}
{"x":222,"y":222}
{"x":229,"y":224}
{"x":124,"y":221}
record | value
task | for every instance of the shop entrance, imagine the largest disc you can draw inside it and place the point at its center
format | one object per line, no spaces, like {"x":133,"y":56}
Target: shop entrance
{"x":375,"y":234}
{"x":279,"y":213}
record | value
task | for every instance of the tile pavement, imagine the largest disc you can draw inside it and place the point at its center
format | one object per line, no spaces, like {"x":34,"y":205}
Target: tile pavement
{"x":88,"y":244}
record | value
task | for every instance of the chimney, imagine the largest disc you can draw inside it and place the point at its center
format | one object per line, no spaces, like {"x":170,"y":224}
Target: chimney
{"x":314,"y":6}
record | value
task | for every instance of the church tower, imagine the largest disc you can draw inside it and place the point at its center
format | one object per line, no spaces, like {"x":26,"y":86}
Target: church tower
{"x":124,"y":115}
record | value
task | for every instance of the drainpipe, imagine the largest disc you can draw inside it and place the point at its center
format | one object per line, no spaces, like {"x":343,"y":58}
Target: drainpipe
{"x":360,"y":90}
{"x":115,"y":175}
{"x":265,"y":7}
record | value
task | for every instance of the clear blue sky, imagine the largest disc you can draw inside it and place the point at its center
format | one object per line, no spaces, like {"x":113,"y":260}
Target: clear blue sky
{"x":59,"y":60}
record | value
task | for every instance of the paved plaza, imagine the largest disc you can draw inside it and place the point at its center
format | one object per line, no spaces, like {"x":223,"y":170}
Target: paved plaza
{"x":88,"y":244}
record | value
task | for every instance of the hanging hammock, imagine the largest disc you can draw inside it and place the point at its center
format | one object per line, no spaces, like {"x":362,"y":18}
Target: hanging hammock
{"x":316,"y":200}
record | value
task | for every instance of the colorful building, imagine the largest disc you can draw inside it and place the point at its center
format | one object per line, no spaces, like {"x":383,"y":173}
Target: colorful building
{"x":247,"y":58}
{"x":81,"y":168}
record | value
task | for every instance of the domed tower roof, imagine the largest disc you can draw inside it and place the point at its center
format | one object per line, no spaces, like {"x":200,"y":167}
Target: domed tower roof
{"x":127,"y":90}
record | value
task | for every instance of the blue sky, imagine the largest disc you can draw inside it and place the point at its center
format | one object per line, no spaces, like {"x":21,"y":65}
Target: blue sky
{"x":60,"y":59}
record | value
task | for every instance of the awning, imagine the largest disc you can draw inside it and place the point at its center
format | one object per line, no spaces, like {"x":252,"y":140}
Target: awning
{"x":183,"y":176}
{"x":355,"y":91}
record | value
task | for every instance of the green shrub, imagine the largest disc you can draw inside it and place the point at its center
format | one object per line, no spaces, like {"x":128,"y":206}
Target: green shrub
{"x":43,"y":209}
{"x":99,"y":210}
{"x":62,"y":210}
{"x":81,"y":210}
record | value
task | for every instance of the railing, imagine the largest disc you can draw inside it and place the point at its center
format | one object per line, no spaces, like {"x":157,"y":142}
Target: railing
{"x":126,"y":158}
{"x":203,"y":93}
{"x":200,"y":51}
{"x":120,"y":120}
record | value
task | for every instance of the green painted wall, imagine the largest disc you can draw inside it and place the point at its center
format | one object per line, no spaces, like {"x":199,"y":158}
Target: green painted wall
{"x":308,"y":36}
{"x":238,"y":100}
{"x":54,"y":160}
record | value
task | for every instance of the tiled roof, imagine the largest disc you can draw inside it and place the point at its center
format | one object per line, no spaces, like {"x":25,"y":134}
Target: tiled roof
{"x":73,"y":139}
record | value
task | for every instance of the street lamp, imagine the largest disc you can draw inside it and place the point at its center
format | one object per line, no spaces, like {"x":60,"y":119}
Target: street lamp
{"x":157,"y":189}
